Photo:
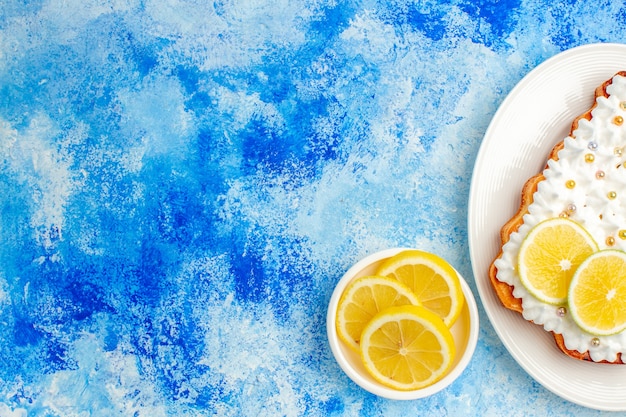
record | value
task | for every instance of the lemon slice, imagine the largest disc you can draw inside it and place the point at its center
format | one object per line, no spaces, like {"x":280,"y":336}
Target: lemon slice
{"x":597,"y":293}
{"x":363,"y":299}
{"x":549,"y":256}
{"x":407,"y":348}
{"x":432,"y":279}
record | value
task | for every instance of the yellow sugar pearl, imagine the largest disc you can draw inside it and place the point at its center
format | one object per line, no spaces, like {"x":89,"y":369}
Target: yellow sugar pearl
{"x":612,"y":195}
{"x":610,"y":241}
{"x":617,"y":151}
{"x":622,"y":234}
{"x":570,"y":184}
{"x":618,"y":120}
{"x":564,"y":214}
{"x":589,"y":158}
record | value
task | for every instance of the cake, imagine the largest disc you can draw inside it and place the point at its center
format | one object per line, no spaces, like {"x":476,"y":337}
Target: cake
{"x":593,"y":158}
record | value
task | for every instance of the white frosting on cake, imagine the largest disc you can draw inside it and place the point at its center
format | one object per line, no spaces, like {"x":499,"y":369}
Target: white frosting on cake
{"x":592,"y":158}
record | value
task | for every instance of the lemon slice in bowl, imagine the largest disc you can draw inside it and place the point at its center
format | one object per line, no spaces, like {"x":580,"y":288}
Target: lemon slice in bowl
{"x":433,"y":280}
{"x":407,"y":348}
{"x":363,"y":299}
{"x":549,"y":256}
{"x":597,"y":293}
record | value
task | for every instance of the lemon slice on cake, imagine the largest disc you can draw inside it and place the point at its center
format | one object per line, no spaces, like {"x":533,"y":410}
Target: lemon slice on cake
{"x":549,"y":256}
{"x":407,"y":347}
{"x":597,"y":293}
{"x":432,"y":279}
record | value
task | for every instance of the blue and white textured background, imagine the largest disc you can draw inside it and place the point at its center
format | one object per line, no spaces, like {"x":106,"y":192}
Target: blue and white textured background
{"x":183,"y":182}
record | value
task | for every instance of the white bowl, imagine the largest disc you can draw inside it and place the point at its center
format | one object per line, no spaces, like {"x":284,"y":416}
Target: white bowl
{"x":464,"y":331}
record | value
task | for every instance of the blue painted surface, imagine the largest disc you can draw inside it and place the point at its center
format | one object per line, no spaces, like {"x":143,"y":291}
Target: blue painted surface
{"x":183,"y":183}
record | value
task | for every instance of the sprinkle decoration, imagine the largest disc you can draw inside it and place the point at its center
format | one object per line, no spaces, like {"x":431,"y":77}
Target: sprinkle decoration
{"x":592,"y":146}
{"x":595,"y":341}
{"x":612,"y":195}
{"x":570,"y":184}
{"x":618,"y":120}
{"x":600,"y":174}
{"x":589,"y":158}
{"x":610,"y":241}
{"x":561,"y":311}
{"x":622,"y":234}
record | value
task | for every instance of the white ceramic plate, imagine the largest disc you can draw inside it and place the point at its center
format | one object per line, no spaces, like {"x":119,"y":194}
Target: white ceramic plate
{"x":536,"y":115}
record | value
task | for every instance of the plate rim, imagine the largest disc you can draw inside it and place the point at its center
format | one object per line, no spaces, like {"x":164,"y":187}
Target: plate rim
{"x":486,"y":141}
